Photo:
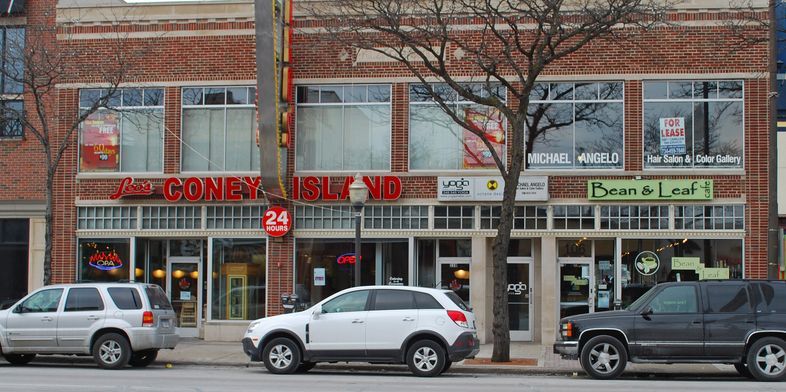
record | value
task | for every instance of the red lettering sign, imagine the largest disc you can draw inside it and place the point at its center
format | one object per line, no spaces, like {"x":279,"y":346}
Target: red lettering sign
{"x":347,"y":258}
{"x":276,"y":221}
{"x":128,"y":187}
{"x":312,"y":188}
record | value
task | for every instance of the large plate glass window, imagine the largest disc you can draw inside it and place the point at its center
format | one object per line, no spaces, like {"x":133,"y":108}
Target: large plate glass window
{"x":343,"y":127}
{"x":575,"y":126}
{"x":437,"y":142}
{"x":14,"y":245}
{"x":219,"y":129}
{"x":104,"y":260}
{"x":12,"y":45}
{"x":691,"y":124}
{"x":126,"y":134}
{"x":239,"y":276}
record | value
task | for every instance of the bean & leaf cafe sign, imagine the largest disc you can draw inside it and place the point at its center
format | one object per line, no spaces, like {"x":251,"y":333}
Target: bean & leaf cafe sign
{"x":649,"y":189}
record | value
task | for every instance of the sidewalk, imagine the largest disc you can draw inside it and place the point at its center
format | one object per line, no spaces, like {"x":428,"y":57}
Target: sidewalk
{"x":531,"y":359}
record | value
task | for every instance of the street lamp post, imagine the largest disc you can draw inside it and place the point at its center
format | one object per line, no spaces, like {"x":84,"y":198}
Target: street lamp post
{"x":358,"y":194}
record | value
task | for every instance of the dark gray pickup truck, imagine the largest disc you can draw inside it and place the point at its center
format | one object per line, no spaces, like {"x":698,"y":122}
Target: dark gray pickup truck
{"x":735,"y":322}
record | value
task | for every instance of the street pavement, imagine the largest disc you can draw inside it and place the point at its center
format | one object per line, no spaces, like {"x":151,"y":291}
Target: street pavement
{"x":86,"y":377}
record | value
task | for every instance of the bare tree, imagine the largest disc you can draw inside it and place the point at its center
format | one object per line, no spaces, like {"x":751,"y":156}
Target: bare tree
{"x":502,"y":43}
{"x":34,"y":62}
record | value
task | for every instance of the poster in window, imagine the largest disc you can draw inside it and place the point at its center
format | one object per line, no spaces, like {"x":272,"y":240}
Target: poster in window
{"x":672,"y":136}
{"x":489,"y":121}
{"x":100,"y":146}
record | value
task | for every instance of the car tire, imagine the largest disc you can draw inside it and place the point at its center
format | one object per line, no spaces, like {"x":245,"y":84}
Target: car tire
{"x":767,"y":359}
{"x":281,"y":356}
{"x":143,"y":358}
{"x":426,"y":358}
{"x":742,"y":369}
{"x":446,"y":367}
{"x":604,"y":357}
{"x":19,"y":359}
{"x":111,"y":351}
{"x":305,"y":367}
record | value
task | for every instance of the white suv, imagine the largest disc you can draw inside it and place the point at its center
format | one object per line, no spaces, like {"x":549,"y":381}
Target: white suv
{"x":427,"y":329}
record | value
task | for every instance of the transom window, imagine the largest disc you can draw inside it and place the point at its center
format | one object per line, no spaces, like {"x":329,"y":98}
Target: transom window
{"x":525,"y":217}
{"x":436,"y":142}
{"x":709,"y":217}
{"x":574,"y":217}
{"x":693,"y":124}
{"x":343,"y":127}
{"x":454,"y":217}
{"x":575,"y":126}
{"x":219,"y":129}
{"x":125,"y":136}
{"x":625,"y":217}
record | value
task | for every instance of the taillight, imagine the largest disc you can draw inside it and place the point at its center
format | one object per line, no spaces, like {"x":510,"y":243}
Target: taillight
{"x":147,"y":319}
{"x":459,"y":318}
{"x":567,"y":329}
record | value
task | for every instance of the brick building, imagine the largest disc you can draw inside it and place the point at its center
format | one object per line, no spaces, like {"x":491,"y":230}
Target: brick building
{"x":182,"y":154}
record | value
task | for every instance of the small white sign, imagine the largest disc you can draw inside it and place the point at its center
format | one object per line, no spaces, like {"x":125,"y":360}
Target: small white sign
{"x":185,"y":296}
{"x":319,"y":276}
{"x":531,"y":188}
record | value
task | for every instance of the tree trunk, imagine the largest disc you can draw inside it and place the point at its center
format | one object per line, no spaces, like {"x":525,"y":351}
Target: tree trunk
{"x":50,"y":178}
{"x":500,"y":328}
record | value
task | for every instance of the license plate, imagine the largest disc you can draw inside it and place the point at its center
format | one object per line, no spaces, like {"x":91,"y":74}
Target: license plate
{"x":166,"y":323}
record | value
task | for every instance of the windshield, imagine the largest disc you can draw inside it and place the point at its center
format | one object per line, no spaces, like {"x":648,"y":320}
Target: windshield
{"x":637,"y":303}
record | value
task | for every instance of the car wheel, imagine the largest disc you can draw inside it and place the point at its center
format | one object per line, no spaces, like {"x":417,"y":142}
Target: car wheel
{"x":604,"y":357}
{"x":19,"y":359}
{"x":447,"y":366}
{"x":281,"y":356}
{"x":305,"y":366}
{"x":767,"y":359}
{"x":143,"y":358}
{"x":742,"y":369}
{"x":426,"y":358}
{"x":111,"y":351}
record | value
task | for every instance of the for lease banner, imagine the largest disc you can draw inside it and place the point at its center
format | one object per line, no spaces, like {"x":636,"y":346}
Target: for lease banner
{"x":672,"y":136}
{"x":99,"y":148}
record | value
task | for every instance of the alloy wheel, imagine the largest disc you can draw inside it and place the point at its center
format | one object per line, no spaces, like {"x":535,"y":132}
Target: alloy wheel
{"x":771,"y":360}
{"x":425,"y":359}
{"x":604,"y":358}
{"x":280,"y":356}
{"x":110,"y":352}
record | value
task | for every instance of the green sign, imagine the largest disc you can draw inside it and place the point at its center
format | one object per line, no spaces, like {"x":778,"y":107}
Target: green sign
{"x":685,"y":263}
{"x":649,"y":190}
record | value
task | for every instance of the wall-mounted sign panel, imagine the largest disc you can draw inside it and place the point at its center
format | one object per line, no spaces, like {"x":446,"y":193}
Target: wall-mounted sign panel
{"x":530,"y":188}
{"x":650,"y":190}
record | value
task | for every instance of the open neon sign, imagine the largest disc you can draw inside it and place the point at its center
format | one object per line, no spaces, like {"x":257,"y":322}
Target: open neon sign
{"x":347,"y":258}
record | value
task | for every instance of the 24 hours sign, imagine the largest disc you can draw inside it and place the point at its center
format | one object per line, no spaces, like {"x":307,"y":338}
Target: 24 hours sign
{"x":276,"y":221}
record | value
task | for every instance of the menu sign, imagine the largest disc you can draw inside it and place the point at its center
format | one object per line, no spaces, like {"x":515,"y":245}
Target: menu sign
{"x":99,"y":148}
{"x":530,"y":188}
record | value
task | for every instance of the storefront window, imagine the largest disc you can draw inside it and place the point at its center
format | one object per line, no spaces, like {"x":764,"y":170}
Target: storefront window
{"x":128,"y":137}
{"x":325,"y":267}
{"x":343,"y":127}
{"x":104,"y":260}
{"x":151,"y":261}
{"x":647,"y":262}
{"x":14,"y":239}
{"x":219,"y":129}
{"x":239,"y":273}
{"x":693,"y":124}
{"x":437,"y":142}
{"x":575,"y":126}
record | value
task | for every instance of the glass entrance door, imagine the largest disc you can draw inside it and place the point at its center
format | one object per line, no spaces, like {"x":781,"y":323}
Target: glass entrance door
{"x":184,"y":288}
{"x":453,"y":274}
{"x":520,"y":294}
{"x":577,"y":286}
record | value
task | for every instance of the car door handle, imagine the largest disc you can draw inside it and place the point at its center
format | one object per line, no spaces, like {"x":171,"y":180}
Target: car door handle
{"x":46,"y":318}
{"x":696,"y":322}
{"x":407,"y":319}
{"x":357,"y":321}
{"x":93,"y":318}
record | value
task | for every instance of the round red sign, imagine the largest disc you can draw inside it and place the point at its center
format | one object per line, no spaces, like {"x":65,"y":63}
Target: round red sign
{"x":276,"y":221}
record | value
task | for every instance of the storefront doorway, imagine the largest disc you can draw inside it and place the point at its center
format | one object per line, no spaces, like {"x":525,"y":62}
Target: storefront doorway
{"x":577,"y":286}
{"x":453,"y":274}
{"x":520,"y":294}
{"x":586,"y":276}
{"x":184,"y":288}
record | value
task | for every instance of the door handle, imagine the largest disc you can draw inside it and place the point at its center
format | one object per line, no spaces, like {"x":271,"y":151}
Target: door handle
{"x":46,"y":318}
{"x":93,"y":318}
{"x":696,"y":322}
{"x":407,"y":319}
{"x":357,"y":321}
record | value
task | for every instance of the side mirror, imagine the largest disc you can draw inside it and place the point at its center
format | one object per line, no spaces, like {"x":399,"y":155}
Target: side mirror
{"x":317,"y":311}
{"x":20,"y":309}
{"x":647,"y":312}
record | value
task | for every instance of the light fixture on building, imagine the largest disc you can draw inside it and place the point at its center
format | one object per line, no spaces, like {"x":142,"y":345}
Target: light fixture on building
{"x":138,"y":272}
{"x":461,"y":274}
{"x":358,"y":195}
{"x":177,"y":274}
{"x":159,"y":273}
{"x":194,"y":274}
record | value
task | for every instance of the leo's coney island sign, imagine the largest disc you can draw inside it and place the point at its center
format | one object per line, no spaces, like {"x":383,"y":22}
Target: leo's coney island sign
{"x":195,"y":189}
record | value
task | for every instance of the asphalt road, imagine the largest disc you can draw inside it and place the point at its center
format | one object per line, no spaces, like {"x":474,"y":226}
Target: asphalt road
{"x":88,"y":378}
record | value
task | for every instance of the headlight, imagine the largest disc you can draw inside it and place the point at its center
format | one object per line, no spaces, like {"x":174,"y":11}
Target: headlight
{"x":253,"y":325}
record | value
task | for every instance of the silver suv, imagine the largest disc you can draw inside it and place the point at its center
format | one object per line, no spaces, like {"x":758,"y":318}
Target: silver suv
{"x":117,"y":323}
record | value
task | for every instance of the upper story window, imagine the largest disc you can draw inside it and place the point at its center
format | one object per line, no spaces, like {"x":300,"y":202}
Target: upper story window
{"x":125,"y":136}
{"x":343,"y":128}
{"x":12,"y":44}
{"x":437,"y":142}
{"x":692,"y":124}
{"x":219,"y":129}
{"x":575,"y":126}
